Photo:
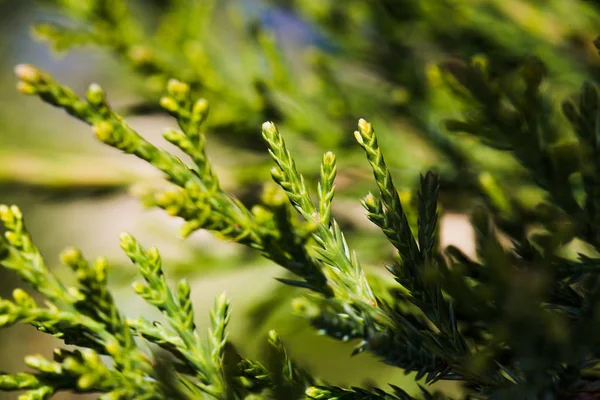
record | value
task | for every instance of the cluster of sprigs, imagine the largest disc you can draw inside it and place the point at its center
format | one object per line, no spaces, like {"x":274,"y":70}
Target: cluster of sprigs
{"x":199,"y":42}
{"x":334,"y":271}
{"x":350,"y":308}
{"x":85,"y":315}
{"x":517,"y":322}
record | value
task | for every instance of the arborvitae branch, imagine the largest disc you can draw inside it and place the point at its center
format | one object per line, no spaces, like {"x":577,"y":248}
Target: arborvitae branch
{"x":418,"y":269}
{"x":343,"y":269}
{"x":199,"y":200}
{"x":394,"y":223}
{"x":517,"y":322}
{"x":326,"y":188}
{"x":103,"y":332}
{"x":177,"y":308}
{"x":98,"y":328}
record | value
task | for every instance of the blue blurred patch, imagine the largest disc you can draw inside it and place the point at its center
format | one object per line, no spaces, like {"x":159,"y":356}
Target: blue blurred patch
{"x":288,"y":27}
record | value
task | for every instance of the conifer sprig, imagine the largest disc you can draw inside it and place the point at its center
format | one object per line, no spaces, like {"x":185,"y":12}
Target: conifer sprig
{"x":197,"y":199}
{"x":91,"y":321}
{"x":326,"y":188}
{"x":226,"y":215}
{"x":205,"y":359}
{"x":71,"y":316}
{"x":343,"y":267}
{"x":418,"y":261}
{"x":394,"y":222}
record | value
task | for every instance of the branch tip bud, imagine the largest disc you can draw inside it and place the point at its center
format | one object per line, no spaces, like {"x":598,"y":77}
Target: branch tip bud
{"x":177,"y":88}
{"x":269,"y":128}
{"x":112,"y":347}
{"x":138,"y":287}
{"x":370,"y":201}
{"x":200,"y":107}
{"x":313,"y":392}
{"x":21,"y":297}
{"x":364,"y":127}
{"x":70,"y":256}
{"x":169,"y":104}
{"x":126,"y":240}
{"x":28,"y":73}
{"x":95,"y":94}
{"x":273,"y":336}
{"x":329,"y":158}
{"x":16,"y":212}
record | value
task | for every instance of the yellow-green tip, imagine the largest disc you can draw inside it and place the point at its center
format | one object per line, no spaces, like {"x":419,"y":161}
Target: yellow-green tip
{"x":177,"y":88}
{"x":273,"y":337}
{"x":21,"y":296}
{"x":70,"y":256}
{"x":126,"y":240}
{"x":370,"y":200}
{"x":269,"y":128}
{"x":95,"y":94}
{"x":328,"y":158}
{"x":200,"y":107}
{"x":28,"y":73}
{"x":169,"y":104}
{"x":313,"y":392}
{"x":364,"y":126}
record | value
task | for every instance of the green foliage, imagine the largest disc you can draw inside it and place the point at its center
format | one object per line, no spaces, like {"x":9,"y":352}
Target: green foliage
{"x":86,"y":316}
{"x":518,"y":321}
{"x":468,"y":316}
{"x":250,"y":74}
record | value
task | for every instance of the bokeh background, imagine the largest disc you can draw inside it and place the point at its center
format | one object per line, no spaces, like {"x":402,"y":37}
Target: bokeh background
{"x":313,"y":66}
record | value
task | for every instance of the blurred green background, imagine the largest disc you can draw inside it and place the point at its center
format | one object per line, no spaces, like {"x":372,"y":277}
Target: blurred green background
{"x":314,"y":67}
